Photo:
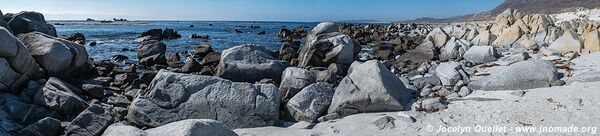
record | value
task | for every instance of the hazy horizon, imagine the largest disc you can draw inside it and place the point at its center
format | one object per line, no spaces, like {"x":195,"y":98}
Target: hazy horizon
{"x":250,"y":10}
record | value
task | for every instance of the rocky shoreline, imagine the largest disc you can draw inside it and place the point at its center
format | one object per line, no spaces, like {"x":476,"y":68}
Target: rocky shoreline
{"x":319,"y":82}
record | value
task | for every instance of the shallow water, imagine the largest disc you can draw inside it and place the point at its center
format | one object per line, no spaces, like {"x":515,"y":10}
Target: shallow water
{"x":111,"y":39}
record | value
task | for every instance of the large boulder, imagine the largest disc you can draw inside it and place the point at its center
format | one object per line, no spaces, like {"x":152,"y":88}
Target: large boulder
{"x":44,"y":127}
{"x":61,"y":97}
{"x":28,"y":21}
{"x":325,"y":45}
{"x":91,"y":122}
{"x":569,"y":42}
{"x":484,"y":38}
{"x":369,"y":87}
{"x":454,"y":49}
{"x":3,"y":22}
{"x":17,"y":66}
{"x":190,"y":127}
{"x":58,"y":57}
{"x":152,"y":53}
{"x":250,"y":63}
{"x":439,"y":37}
{"x":523,"y":75}
{"x":173,"y":97}
{"x":450,"y":73}
{"x":293,"y":80}
{"x":592,"y":41}
{"x":481,"y":54}
{"x":508,"y":36}
{"x":425,"y":52}
{"x":310,"y":103}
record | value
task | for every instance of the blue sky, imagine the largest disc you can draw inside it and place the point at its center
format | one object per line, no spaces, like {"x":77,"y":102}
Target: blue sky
{"x":243,"y":10}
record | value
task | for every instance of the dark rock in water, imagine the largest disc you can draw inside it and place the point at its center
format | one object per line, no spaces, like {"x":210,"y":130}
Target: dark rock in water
{"x":93,"y":43}
{"x":284,"y":33}
{"x":174,"y":61}
{"x":203,"y":50}
{"x":119,"y":58}
{"x":91,"y":122}
{"x":155,"y":33}
{"x":238,"y":31}
{"x":191,"y":66}
{"x":152,"y":52}
{"x":44,"y":127}
{"x":261,"y":33}
{"x":191,"y":25}
{"x":254,"y":27}
{"x":289,"y":51}
{"x":325,"y":45}
{"x":196,"y":36}
{"x":124,"y":49}
{"x":250,"y":63}
{"x":173,"y":97}
{"x":61,"y":97}
{"x":211,"y":59}
{"x":76,"y":37}
{"x":58,"y":57}
{"x":27,"y":21}
{"x":169,"y":33}
{"x":310,"y":103}
{"x":210,"y":24}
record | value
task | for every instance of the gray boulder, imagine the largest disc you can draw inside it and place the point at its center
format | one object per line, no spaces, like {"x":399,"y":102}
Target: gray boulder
{"x":13,"y":108}
{"x":325,"y":45}
{"x":310,"y":103}
{"x":423,"y":53}
{"x":173,"y":97}
{"x":44,"y":127}
{"x":293,"y":80}
{"x":61,"y":97}
{"x":369,"y":87}
{"x":58,"y":57}
{"x":449,"y":73}
{"x":250,"y":63}
{"x":523,"y":75}
{"x":28,"y":21}
{"x":152,"y":52}
{"x":91,"y":122}
{"x":454,"y":49}
{"x":120,"y":129}
{"x":3,"y":22}
{"x":17,"y":66}
{"x":481,"y":54}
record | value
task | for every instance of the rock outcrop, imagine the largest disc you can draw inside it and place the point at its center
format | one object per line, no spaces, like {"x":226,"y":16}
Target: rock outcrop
{"x":173,"y":97}
{"x":17,"y":66}
{"x":250,"y":63}
{"x":310,"y":103}
{"x":523,"y":75}
{"x":325,"y":45}
{"x":28,"y":21}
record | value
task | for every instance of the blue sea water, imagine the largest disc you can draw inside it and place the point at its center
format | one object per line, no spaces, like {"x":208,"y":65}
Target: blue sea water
{"x":112,"y":38}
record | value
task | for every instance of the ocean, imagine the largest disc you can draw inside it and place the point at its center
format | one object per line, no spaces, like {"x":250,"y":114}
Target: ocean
{"x":112,"y":38}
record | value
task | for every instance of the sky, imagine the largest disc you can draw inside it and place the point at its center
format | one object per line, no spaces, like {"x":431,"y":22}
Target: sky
{"x":249,"y":10}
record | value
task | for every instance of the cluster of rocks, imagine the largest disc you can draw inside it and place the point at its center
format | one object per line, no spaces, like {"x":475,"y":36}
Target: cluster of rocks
{"x":158,"y":34}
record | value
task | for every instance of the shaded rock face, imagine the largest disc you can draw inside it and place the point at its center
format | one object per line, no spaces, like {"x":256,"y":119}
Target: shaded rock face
{"x":44,"y":127}
{"x":3,"y":22}
{"x":28,"y":21}
{"x":250,"y":63}
{"x":523,"y":75}
{"x":152,"y":52}
{"x":454,"y":49}
{"x":61,"y":97}
{"x":310,"y":103}
{"x":58,"y":57}
{"x":369,"y":87}
{"x":325,"y":45}
{"x":293,"y":80}
{"x":173,"y":97}
{"x":91,"y":122}
{"x":17,"y":66}
{"x":423,"y":53}
{"x":289,"y":51}
{"x":190,"y":127}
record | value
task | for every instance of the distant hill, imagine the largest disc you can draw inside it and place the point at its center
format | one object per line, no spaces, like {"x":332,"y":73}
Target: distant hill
{"x":526,"y":7}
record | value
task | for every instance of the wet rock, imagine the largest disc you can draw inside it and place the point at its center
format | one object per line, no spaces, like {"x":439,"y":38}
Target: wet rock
{"x":191,"y":66}
{"x":169,"y":33}
{"x":244,"y":105}
{"x":293,"y":80}
{"x":369,"y":87}
{"x":325,"y":45}
{"x":261,"y":33}
{"x":202,"y":50}
{"x":310,"y":103}
{"x":28,"y":21}
{"x":91,"y":122}
{"x":528,"y":74}
{"x":196,"y":36}
{"x":154,"y":33}
{"x":238,"y":31}
{"x":250,"y":63}
{"x":76,"y":37}
{"x":284,"y":33}
{"x":119,"y":58}
{"x":58,"y":57}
